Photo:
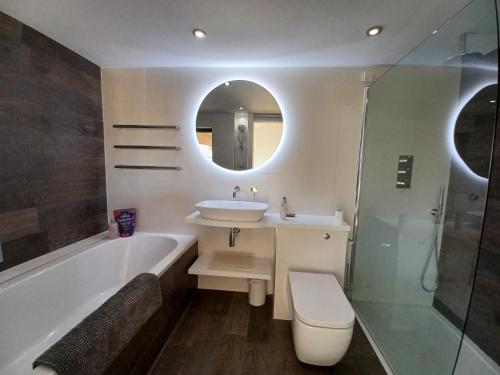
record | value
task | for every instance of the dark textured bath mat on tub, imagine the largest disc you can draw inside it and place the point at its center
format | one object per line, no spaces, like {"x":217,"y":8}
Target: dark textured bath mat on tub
{"x":90,"y":347}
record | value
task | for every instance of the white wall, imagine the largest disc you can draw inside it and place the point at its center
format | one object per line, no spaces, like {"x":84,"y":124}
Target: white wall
{"x":266,"y":139}
{"x":315,"y":166}
{"x":222,"y":125}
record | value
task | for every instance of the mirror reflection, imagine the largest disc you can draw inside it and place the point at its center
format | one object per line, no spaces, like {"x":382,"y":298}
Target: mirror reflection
{"x":474,"y":130}
{"x":239,"y":125}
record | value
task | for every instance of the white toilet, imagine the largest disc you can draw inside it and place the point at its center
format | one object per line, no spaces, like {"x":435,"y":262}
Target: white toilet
{"x":323,"y":319}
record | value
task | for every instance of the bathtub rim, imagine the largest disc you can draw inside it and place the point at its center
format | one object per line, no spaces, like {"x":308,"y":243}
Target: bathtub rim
{"x":39,"y":264}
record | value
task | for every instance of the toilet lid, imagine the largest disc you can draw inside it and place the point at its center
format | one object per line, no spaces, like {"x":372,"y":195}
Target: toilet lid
{"x":319,"y":301}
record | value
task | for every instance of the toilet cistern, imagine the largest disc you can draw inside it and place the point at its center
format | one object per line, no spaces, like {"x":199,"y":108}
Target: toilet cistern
{"x":236,"y":190}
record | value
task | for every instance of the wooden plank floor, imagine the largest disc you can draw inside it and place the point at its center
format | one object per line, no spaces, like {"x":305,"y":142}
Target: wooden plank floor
{"x":220,"y":333}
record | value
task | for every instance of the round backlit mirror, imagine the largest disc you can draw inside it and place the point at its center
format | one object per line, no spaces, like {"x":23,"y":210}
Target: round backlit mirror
{"x":474,"y":130}
{"x":239,"y":125}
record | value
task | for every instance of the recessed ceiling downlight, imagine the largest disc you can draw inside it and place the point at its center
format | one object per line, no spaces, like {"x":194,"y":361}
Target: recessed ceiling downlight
{"x":199,"y":33}
{"x":374,"y":31}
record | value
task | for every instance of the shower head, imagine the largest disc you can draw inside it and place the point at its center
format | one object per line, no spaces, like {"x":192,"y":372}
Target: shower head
{"x":477,"y":60}
{"x":463,"y":58}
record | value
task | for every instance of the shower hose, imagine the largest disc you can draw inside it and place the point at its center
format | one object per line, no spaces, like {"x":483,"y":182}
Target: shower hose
{"x":433,"y":250}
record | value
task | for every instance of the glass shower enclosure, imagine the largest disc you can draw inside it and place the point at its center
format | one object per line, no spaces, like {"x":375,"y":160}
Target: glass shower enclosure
{"x":425,"y":161}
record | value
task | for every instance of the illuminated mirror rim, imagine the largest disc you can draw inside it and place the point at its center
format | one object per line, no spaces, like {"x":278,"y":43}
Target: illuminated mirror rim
{"x":453,"y":120}
{"x":279,"y":149}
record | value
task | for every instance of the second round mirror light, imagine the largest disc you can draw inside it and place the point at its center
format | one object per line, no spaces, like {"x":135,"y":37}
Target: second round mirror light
{"x":239,"y":125}
{"x":474,"y":130}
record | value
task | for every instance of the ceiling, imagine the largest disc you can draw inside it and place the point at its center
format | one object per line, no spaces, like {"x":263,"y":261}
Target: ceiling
{"x":249,"y":95}
{"x":241,"y":33}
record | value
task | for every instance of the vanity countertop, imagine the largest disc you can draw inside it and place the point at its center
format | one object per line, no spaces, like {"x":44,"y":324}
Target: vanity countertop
{"x":272,"y":220}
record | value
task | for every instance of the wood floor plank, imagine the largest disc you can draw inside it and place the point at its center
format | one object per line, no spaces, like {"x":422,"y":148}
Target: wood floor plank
{"x":258,"y":325}
{"x":238,"y":316}
{"x":208,"y":340}
{"x":169,"y":361}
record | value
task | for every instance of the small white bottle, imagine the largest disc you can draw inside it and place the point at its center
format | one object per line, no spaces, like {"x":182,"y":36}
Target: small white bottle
{"x":113,"y":229}
{"x":339,"y":217}
{"x":283,"y":209}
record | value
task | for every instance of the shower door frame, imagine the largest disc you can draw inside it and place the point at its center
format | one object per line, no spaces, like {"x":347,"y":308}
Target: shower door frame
{"x":351,"y":243}
{"x":351,"y":246}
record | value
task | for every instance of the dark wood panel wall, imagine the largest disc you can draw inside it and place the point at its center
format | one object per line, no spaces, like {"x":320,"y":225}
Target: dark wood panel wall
{"x":483,"y":321}
{"x":469,"y":262}
{"x":53,"y":190}
{"x":466,"y":196}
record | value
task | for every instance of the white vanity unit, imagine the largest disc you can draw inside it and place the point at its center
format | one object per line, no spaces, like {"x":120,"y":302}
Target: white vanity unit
{"x":312,"y":243}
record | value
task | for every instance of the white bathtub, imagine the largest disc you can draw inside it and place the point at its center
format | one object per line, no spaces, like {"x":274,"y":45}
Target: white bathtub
{"x":39,"y":306}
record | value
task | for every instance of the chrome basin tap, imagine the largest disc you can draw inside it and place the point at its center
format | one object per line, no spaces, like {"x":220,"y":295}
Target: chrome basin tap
{"x":236,"y":190}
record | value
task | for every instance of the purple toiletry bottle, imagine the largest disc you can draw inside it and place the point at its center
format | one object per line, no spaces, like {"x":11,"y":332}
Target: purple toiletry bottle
{"x":125,"y":219}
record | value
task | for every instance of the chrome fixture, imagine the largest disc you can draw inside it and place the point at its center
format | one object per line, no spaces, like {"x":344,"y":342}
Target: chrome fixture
{"x":254,"y":191}
{"x":437,"y":213}
{"x":233,"y":233}
{"x":405,"y":167}
{"x":236,"y":190}
{"x":351,"y":242}
{"x":151,"y":167}
{"x":156,"y":127}
{"x":473,"y":197}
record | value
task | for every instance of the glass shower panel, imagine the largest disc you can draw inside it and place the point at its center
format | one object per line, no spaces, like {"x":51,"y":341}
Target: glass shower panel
{"x":427,"y":146}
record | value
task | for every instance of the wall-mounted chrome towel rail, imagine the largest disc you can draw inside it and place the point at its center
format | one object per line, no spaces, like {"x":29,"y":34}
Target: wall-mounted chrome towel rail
{"x":137,"y":147}
{"x":151,"y":167}
{"x":173,"y":127}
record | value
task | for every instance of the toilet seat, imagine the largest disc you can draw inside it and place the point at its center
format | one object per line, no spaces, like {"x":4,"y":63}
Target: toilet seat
{"x":319,"y":301}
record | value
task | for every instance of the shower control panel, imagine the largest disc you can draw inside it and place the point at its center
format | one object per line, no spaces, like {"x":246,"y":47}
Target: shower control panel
{"x":405,"y":167}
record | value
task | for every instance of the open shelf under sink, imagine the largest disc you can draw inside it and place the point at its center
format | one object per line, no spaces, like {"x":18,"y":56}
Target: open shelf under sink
{"x":232,"y":265}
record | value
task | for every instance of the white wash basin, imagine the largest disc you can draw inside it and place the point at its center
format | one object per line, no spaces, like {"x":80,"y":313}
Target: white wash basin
{"x":232,"y":210}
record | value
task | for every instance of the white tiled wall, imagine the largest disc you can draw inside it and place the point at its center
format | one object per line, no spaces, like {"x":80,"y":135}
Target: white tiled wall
{"x":315,"y":166}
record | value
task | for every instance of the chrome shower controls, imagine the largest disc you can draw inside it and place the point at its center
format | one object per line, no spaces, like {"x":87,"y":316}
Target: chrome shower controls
{"x":405,"y":167}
